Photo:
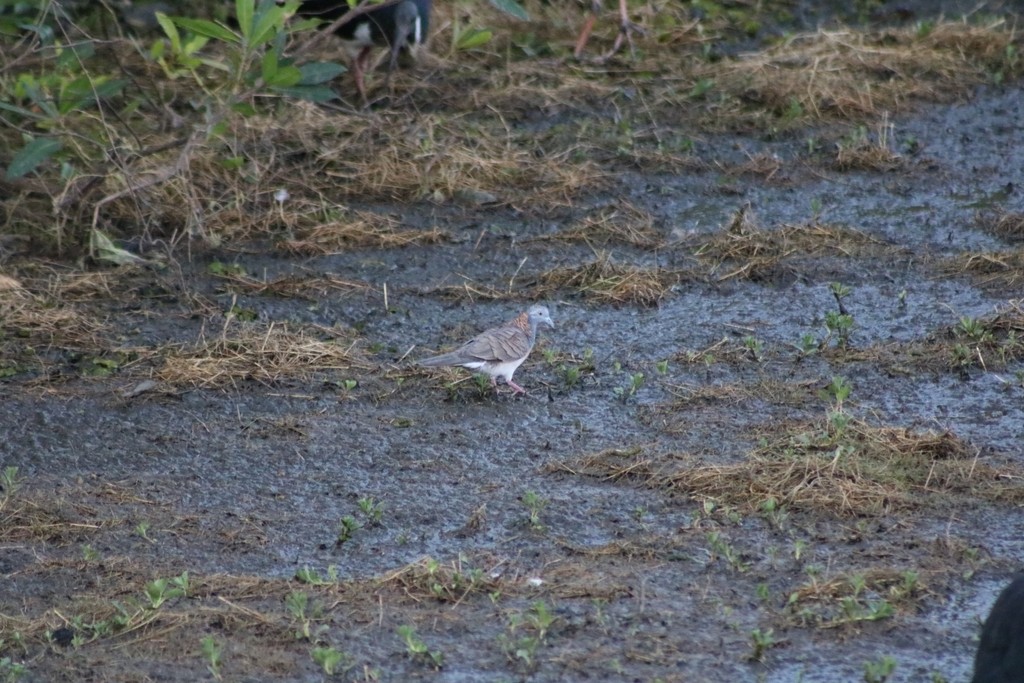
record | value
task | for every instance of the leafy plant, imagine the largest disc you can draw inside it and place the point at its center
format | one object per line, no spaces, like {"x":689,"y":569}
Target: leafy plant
{"x":12,"y":671}
{"x":212,"y":652}
{"x":313,"y":578}
{"x":142,"y":531}
{"x":762,"y":641}
{"x":635,"y":382}
{"x":536,"y":622}
{"x":754,"y":345}
{"x":534,"y":504}
{"x":721,"y":547}
{"x":879,"y":670}
{"x":416,"y":648}
{"x":332,"y":661}
{"x":838,"y":323}
{"x":160,"y":591}
{"x":372,"y":509}
{"x":347,"y":527}
{"x":10,"y":482}
{"x":298,"y":605}
{"x":254,"y":58}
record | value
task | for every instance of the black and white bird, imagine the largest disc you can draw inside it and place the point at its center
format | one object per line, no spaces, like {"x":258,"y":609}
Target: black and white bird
{"x":1000,"y":656}
{"x":398,"y":25}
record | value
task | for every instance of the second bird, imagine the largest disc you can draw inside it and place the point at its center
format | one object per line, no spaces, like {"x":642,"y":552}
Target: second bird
{"x":498,"y":351}
{"x":395,"y":24}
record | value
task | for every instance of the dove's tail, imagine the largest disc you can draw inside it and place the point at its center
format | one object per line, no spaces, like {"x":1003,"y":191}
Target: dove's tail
{"x":443,"y":359}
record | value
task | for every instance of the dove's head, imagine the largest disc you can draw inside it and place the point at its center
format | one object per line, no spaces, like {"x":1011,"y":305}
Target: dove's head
{"x":539,"y":315}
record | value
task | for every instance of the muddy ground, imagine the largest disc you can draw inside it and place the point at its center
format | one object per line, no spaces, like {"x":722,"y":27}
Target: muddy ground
{"x":775,"y":434}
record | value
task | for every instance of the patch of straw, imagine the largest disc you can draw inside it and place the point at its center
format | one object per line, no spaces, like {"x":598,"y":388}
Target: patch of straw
{"x":623,"y":223}
{"x":1005,"y":225}
{"x":864,"y":471}
{"x":264,"y":354}
{"x":746,"y":250}
{"x":857,"y":75}
{"x":604,"y":280}
{"x":994,"y":268}
{"x":360,"y":229}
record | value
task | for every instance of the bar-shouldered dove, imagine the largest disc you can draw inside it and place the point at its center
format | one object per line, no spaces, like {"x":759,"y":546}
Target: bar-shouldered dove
{"x":500,"y":350}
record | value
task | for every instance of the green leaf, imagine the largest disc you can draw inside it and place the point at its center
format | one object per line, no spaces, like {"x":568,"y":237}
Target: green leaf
{"x":39,"y":98}
{"x":171,"y":30}
{"x":83,"y":91}
{"x":513,"y":8}
{"x":243,"y":13}
{"x":269,"y":67}
{"x":304,"y":25}
{"x":473,"y":38}
{"x":31,"y":155}
{"x":105,"y":250}
{"x":209,"y":29}
{"x":244,"y":108}
{"x":194,"y":44}
{"x":267,"y":25}
{"x":285,"y":77}
{"x":316,"y":73}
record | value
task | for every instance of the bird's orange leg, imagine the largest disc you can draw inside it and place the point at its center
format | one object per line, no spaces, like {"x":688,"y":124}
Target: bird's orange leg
{"x":359,"y":65}
{"x":516,"y":389}
{"x":581,"y":42}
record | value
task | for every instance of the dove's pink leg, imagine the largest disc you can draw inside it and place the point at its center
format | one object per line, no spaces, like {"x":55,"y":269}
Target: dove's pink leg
{"x":516,"y":389}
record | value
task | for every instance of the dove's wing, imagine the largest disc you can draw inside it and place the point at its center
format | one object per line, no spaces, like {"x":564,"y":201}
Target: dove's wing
{"x":498,"y":345}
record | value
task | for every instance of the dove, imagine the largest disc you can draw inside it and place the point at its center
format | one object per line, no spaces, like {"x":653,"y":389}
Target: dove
{"x":500,"y":350}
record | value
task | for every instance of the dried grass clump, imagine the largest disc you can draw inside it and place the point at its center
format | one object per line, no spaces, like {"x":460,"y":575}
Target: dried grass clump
{"x":867,"y":156}
{"x":394,"y":157}
{"x":474,"y":291}
{"x":994,"y":268}
{"x":724,"y":350}
{"x":264,"y":354}
{"x":623,"y":223}
{"x":532,"y":85}
{"x":862,"y":152}
{"x":292,"y":286}
{"x":361,"y":229}
{"x":746,"y":250}
{"x":604,"y":280}
{"x":1005,"y":225}
{"x":860,"y":470}
{"x":853,"y":75}
{"x":32,"y":517}
{"x":45,"y":319}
